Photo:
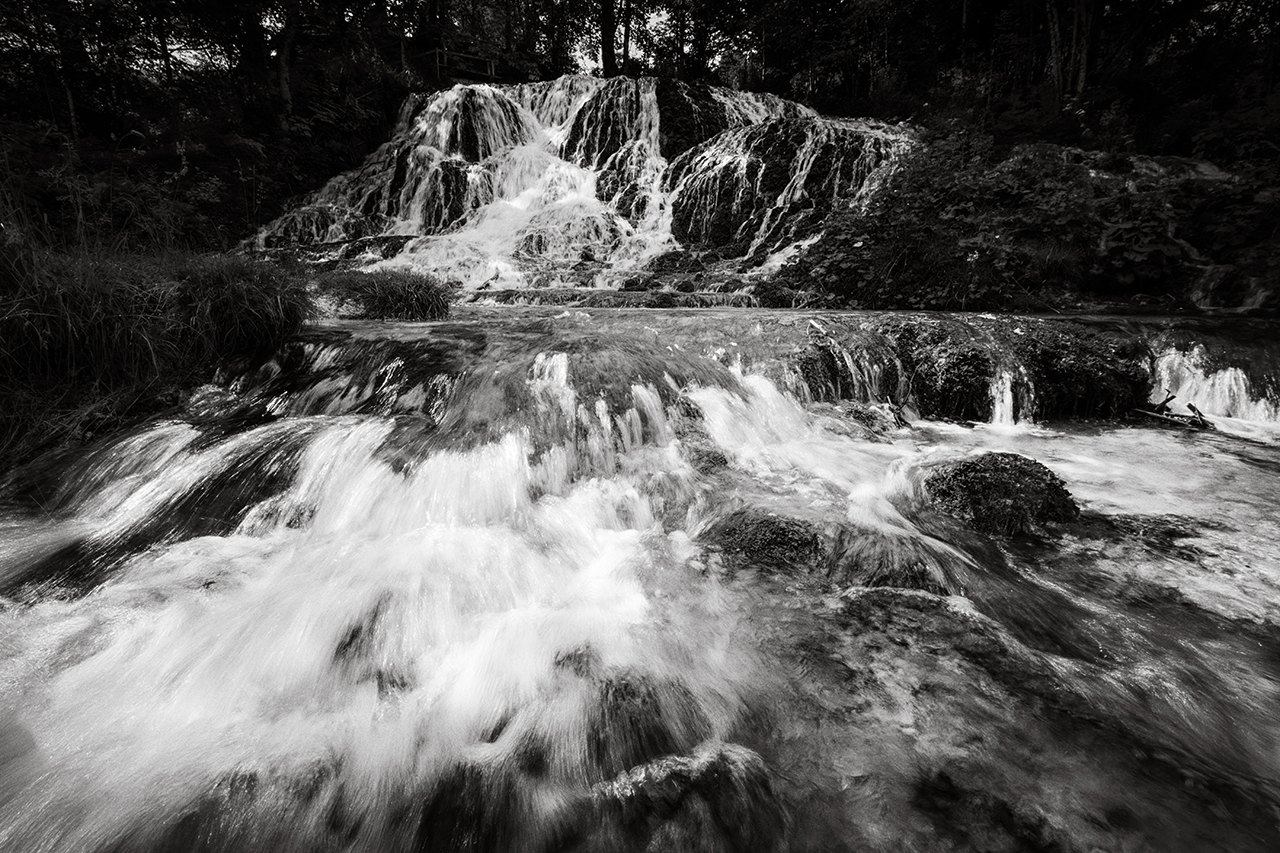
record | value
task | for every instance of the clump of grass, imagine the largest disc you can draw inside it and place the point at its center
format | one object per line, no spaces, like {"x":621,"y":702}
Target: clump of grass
{"x":89,"y":332}
{"x":107,"y":318}
{"x":222,"y":306}
{"x":387,"y":294}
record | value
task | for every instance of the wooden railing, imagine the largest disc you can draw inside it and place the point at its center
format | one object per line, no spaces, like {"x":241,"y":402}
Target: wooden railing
{"x":448,"y":63}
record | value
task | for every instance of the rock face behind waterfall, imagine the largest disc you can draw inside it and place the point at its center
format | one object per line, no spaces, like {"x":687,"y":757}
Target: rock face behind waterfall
{"x":580,"y":180}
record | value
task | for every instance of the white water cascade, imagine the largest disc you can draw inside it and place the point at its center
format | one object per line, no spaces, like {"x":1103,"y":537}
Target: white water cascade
{"x":580,"y":181}
{"x":1224,"y":391}
{"x":567,"y":582}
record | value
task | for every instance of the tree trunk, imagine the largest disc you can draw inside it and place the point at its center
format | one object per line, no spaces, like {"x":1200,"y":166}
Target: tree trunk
{"x":626,"y":37}
{"x":608,"y":30}
{"x":251,"y":50}
{"x":73,"y":57}
{"x":284,"y":64}
{"x":166,"y":58}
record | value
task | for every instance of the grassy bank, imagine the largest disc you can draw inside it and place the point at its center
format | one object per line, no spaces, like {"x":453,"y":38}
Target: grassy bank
{"x":88,"y":340}
{"x":92,"y":340}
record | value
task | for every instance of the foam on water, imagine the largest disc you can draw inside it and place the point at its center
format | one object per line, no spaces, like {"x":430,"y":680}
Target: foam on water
{"x":359,"y":630}
{"x":1224,"y":393}
{"x":366,"y":630}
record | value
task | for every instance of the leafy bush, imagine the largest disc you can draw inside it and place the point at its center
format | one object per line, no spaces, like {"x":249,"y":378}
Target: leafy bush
{"x":961,"y":226}
{"x":387,"y":294}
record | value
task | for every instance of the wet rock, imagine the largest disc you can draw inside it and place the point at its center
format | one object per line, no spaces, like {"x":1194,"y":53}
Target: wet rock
{"x":1077,"y":372}
{"x":675,"y":261}
{"x":772,"y":294}
{"x":720,"y":798}
{"x":950,"y":365}
{"x":759,"y":539}
{"x":690,"y":115}
{"x":705,"y":457}
{"x":1057,"y":369}
{"x":640,"y":283}
{"x":638,"y":718}
{"x":621,"y":299}
{"x":872,"y":558}
{"x":1001,"y":493}
{"x":979,"y":819}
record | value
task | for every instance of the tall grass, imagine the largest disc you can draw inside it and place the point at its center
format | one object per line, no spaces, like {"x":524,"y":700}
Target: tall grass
{"x":88,"y":335}
{"x":386,"y":294}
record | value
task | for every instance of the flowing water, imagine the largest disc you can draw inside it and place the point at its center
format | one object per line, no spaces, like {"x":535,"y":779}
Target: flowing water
{"x":530,"y":580}
{"x":582,"y":181}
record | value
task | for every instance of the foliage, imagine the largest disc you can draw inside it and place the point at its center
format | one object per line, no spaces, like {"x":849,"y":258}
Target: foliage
{"x":85,"y":333}
{"x":962,"y":226}
{"x":387,"y":294}
{"x":225,"y":306}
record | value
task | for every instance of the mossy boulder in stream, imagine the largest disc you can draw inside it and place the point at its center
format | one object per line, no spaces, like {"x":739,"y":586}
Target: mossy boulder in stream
{"x":951,"y":365}
{"x":1001,"y":493}
{"x":758,"y":539}
{"x":1078,"y":372}
{"x":1056,"y":369}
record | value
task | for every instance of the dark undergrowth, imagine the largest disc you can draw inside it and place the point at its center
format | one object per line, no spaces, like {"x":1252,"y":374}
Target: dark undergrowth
{"x":964,"y":225}
{"x":90,"y":339}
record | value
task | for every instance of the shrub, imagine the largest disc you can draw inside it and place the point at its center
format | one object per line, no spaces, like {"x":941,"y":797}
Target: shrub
{"x":387,"y":294}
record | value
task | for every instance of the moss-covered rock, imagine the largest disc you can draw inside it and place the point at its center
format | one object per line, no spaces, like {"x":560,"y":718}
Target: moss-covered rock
{"x":759,"y":539}
{"x":1001,"y":493}
{"x":951,"y":366}
{"x":1059,"y":369}
{"x":1077,"y":372}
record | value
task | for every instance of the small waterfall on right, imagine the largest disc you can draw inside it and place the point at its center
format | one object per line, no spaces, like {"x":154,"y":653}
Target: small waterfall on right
{"x":1225,"y":391}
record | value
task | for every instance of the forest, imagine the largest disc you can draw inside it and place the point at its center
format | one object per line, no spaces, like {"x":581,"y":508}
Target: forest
{"x":145,"y":124}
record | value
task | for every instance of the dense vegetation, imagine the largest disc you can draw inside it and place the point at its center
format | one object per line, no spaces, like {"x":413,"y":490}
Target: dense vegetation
{"x":87,"y":339}
{"x":963,"y":225}
{"x":138,"y":123}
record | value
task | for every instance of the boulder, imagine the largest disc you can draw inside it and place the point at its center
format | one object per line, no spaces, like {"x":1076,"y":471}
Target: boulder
{"x":756,"y":538}
{"x":1000,"y":493}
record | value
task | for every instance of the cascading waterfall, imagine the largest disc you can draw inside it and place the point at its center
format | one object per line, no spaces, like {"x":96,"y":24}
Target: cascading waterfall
{"x":747,"y":187}
{"x":580,"y":180}
{"x":1012,"y":395}
{"x":1225,"y":391}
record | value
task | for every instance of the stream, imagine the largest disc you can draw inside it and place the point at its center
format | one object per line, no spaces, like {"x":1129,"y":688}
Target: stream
{"x":542,"y":579}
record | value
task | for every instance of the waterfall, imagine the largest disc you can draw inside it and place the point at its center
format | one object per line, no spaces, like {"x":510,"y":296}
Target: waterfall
{"x":580,"y":181}
{"x":1012,"y":395}
{"x":1225,"y":391}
